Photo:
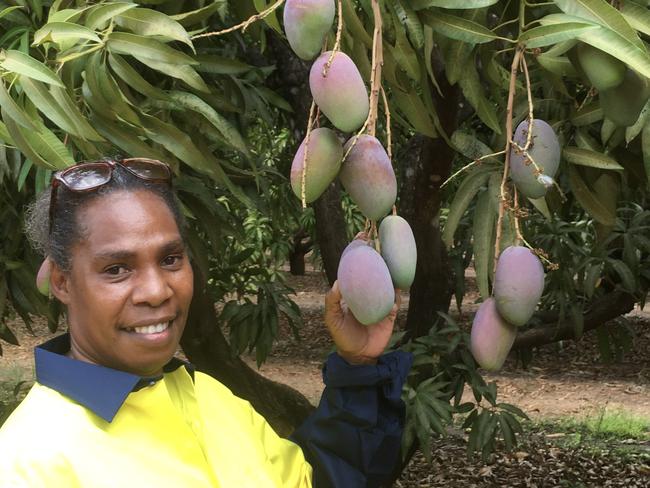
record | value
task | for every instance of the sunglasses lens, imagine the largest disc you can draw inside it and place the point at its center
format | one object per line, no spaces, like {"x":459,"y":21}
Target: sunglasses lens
{"x":148,"y":169}
{"x":87,"y":176}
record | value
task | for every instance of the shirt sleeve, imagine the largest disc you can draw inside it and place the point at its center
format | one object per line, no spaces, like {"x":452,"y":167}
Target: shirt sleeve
{"x":353,"y":438}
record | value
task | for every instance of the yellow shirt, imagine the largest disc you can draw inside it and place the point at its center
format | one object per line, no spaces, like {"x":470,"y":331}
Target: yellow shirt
{"x":177,"y":432}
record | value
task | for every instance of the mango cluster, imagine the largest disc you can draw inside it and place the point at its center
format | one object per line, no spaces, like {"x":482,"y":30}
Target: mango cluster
{"x":368,"y":279}
{"x":623,"y":92}
{"x":341,"y":95}
{"x":518,"y":286}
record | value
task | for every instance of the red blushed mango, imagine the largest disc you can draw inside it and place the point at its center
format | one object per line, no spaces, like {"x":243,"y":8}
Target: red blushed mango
{"x":367,"y":175}
{"x":323,"y":164}
{"x":518,"y":284}
{"x":492,"y":337}
{"x":306,"y":23}
{"x":544,"y":149}
{"x":341,"y":94}
{"x":365,"y":283}
{"x":398,"y":250}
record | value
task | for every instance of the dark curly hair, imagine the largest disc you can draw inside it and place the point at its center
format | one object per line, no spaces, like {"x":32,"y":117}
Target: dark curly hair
{"x":66,"y":228}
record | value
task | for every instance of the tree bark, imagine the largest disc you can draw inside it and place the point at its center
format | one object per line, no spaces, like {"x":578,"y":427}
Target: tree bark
{"x":604,"y":309}
{"x":206,"y":347}
{"x":291,"y":81}
{"x":424,"y":165}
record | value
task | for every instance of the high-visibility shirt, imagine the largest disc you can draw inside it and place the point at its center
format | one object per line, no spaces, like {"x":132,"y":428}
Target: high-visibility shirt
{"x":84,"y":425}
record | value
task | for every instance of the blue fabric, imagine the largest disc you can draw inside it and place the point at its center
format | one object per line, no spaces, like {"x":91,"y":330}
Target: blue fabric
{"x":102,"y":390}
{"x":353,"y":438}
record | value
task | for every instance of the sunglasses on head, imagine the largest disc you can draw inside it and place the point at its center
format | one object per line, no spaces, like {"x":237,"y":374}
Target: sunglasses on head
{"x":88,"y":176}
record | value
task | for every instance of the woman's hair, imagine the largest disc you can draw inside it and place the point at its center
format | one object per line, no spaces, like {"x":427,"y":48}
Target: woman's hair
{"x":67,"y":230}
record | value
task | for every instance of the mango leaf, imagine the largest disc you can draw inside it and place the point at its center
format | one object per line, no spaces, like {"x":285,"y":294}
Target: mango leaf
{"x":13,"y":109}
{"x":65,"y":15}
{"x":180,"y":71}
{"x":354,"y":25}
{"x":541,"y":205}
{"x":403,"y":52}
{"x":147,"y":22}
{"x":604,"y":14}
{"x":466,"y":192}
{"x":454,"y":4}
{"x":634,"y":130}
{"x":623,"y":271}
{"x":189,"y":101}
{"x":84,"y":129}
{"x":134,"y":79}
{"x":559,"y":65}
{"x":587,"y":115}
{"x":589,"y":200}
{"x":484,"y":233}
{"x":637,"y":16}
{"x":99,"y":15}
{"x":645,"y":144}
{"x":457,"y":52}
{"x":58,"y":32}
{"x":586,"y":157}
{"x":125,"y":139}
{"x":49,"y":146}
{"x":19,"y":140}
{"x":547,"y":35}
{"x":411,"y":106}
{"x":219,"y":65}
{"x":199,"y":15}
{"x":8,"y":10}
{"x":407,"y":17}
{"x":146,"y":48}
{"x":458,"y":28}
{"x":270,"y":20}
{"x":473,"y":91}
{"x":43,"y":100}
{"x":469,"y":145}
{"x":23,"y":64}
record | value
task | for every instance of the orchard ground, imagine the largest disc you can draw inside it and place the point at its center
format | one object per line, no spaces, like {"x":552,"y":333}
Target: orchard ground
{"x":590,"y":420}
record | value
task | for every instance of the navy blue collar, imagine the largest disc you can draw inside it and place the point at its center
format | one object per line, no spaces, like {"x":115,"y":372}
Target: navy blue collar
{"x":100,"y":389}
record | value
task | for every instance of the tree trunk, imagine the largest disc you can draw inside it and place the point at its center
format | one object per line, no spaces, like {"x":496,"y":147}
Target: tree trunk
{"x":424,"y":165}
{"x":291,"y":81}
{"x":604,"y":309}
{"x":206,"y":347}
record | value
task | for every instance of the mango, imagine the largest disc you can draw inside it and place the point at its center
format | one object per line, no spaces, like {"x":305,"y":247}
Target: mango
{"x":544,"y":149}
{"x":323,"y":163}
{"x":365,"y":283}
{"x":43,"y":277}
{"x":518,"y":284}
{"x":623,"y":104}
{"x":341,"y":95}
{"x":306,"y":23}
{"x":492,"y":337}
{"x":603,"y":70}
{"x":353,"y":244}
{"x":398,"y":250}
{"x":367,"y":175}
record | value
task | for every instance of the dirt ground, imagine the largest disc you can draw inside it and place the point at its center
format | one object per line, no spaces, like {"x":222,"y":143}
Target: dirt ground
{"x":566,"y":379}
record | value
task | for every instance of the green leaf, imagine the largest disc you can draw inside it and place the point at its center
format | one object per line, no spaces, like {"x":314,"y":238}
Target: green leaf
{"x":409,"y":18}
{"x":637,"y":16}
{"x":455,"y":4}
{"x":8,"y":10}
{"x":147,"y":22}
{"x":484,"y":233}
{"x":47,"y":104}
{"x":588,"y":200}
{"x":634,"y":130}
{"x":604,"y":14}
{"x":586,"y":157}
{"x":403,"y":52}
{"x":457,"y":53}
{"x":103,"y":85}
{"x":13,"y":109}
{"x":507,"y":433}
{"x":559,"y":65}
{"x":125,"y":139}
{"x":469,"y":145}
{"x":58,"y":32}
{"x":182,"y":72}
{"x":99,"y":15}
{"x":65,"y":15}
{"x":410,"y":104}
{"x":541,"y":205}
{"x":192,"y":102}
{"x":587,"y":115}
{"x":612,"y":43}
{"x":466,"y":192}
{"x":84,"y":129}
{"x":133,"y":79}
{"x":547,"y":35}
{"x":458,"y":28}
{"x":199,"y":15}
{"x":49,"y":146}
{"x":23,"y":64}
{"x":147,"y":48}
{"x":513,"y":410}
{"x":592,"y":279}
{"x":219,"y":65}
{"x":623,"y":271}
{"x":473,"y":91}
{"x":645,"y":144}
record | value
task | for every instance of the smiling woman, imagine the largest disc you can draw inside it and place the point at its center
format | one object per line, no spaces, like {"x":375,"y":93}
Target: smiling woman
{"x":111,"y":406}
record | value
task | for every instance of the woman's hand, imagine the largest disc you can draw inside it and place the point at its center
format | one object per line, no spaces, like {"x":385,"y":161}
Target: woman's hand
{"x":357,"y":343}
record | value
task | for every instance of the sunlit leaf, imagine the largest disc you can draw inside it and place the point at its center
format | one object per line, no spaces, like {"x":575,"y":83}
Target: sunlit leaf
{"x":23,"y":64}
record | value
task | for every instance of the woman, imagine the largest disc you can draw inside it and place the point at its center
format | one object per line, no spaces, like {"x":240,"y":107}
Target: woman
{"x":111,"y":405}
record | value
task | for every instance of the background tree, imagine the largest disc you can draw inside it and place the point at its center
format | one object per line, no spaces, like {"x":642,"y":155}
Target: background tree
{"x":81,"y":81}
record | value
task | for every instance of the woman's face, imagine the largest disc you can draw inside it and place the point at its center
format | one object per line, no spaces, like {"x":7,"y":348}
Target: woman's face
{"x":130,"y":287}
